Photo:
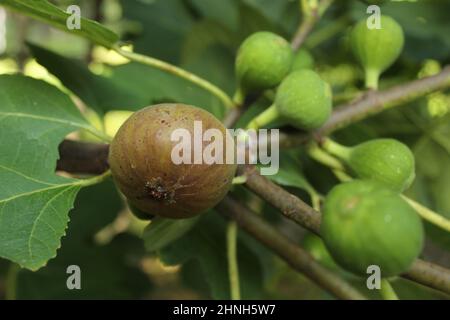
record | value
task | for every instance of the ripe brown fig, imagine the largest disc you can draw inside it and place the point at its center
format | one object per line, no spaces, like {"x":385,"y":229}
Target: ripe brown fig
{"x":141,"y":161}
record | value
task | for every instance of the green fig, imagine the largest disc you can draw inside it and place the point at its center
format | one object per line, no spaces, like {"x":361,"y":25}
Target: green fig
{"x":142,"y":164}
{"x":262,"y":61}
{"x":303,"y":100}
{"x":376,"y":49}
{"x":386,"y":161}
{"x":302,"y":60}
{"x":365,"y":223}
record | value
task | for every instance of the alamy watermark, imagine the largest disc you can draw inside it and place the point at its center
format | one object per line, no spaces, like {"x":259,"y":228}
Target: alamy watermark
{"x":74,"y":280}
{"x":236,"y":146}
{"x":73,"y":22}
{"x":374,"y":280}
{"x":373,"y":21}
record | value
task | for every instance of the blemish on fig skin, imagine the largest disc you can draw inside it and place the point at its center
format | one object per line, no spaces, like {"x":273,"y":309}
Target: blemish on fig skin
{"x":156,"y":191}
{"x":351,"y":203}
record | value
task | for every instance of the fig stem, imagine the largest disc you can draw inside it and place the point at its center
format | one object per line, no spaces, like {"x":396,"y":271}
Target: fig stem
{"x":239,"y":97}
{"x":94,"y":180}
{"x":239,"y":180}
{"x":264,"y":118}
{"x":323,"y":157}
{"x":179,"y":72}
{"x":428,"y":214}
{"x":328,"y":160}
{"x":386,"y":291}
{"x":371,"y":78}
{"x":311,"y":14}
{"x":336,"y":149}
{"x":11,"y":281}
{"x":233,"y":269}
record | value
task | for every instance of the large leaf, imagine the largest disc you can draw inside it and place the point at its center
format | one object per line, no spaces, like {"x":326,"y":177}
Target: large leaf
{"x":108,"y":271}
{"x":48,"y":13}
{"x":34,"y":202}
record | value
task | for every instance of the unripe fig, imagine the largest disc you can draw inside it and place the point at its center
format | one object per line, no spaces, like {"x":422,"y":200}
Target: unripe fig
{"x":376,"y":49}
{"x":141,"y":161}
{"x":386,"y":161}
{"x":302,"y":60}
{"x":303,"y":100}
{"x":113,"y":120}
{"x":262,"y":61}
{"x":366,"y":224}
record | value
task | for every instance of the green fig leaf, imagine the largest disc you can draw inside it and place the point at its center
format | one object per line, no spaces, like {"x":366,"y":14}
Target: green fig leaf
{"x":34,"y":202}
{"x":49,"y":13}
{"x":107,"y":270}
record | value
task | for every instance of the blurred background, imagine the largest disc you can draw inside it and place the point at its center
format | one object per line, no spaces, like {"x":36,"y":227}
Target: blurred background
{"x":104,"y":239}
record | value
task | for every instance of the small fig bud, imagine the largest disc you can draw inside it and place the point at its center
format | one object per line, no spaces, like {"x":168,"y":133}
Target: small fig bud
{"x":366,"y":224}
{"x":143,"y":168}
{"x":262,"y":61}
{"x":303,"y":100}
{"x":377,"y":49}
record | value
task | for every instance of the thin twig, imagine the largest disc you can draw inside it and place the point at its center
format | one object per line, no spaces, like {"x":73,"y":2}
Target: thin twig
{"x":430,"y":275}
{"x":387,"y":292}
{"x":309,"y":21}
{"x":298,"y":258}
{"x":179,"y":72}
{"x":233,"y":269}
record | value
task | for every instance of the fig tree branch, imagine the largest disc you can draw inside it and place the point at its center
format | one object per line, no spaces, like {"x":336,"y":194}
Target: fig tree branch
{"x":310,"y":16}
{"x":83,"y":157}
{"x":371,"y":103}
{"x":295,"y":256}
{"x":297,"y":210}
